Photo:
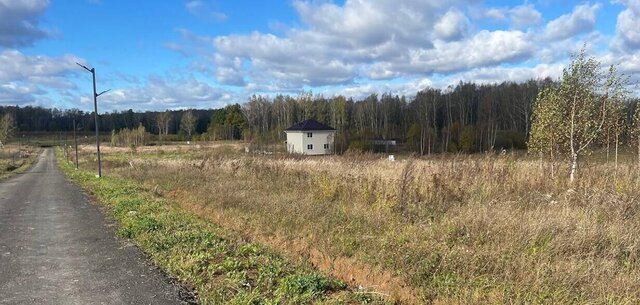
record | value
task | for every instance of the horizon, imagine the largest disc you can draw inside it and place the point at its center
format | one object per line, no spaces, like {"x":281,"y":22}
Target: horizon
{"x":272,"y":98}
{"x":209,"y":54}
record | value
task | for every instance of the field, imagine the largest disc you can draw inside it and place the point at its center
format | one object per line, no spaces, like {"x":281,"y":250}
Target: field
{"x":16,"y":158}
{"x":473,"y":229}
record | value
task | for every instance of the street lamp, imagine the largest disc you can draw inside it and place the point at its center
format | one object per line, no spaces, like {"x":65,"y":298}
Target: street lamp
{"x":95,"y":116}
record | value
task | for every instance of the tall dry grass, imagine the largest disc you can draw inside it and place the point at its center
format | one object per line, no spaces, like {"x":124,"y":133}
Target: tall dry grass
{"x":16,"y":158}
{"x":457,"y":229}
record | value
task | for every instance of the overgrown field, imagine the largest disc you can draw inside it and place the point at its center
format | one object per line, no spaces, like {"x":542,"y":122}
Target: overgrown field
{"x":480,"y":229}
{"x":16,"y":159}
{"x":220,"y":266}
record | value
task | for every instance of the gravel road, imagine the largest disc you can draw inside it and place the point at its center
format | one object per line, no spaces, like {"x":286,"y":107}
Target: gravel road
{"x":56,"y":247}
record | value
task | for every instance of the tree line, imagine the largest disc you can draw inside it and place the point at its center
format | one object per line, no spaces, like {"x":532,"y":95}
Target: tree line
{"x":467,"y":117}
{"x":39,"y":119}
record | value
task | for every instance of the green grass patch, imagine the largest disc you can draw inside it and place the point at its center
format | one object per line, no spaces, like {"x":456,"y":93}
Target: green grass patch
{"x":221,"y":269}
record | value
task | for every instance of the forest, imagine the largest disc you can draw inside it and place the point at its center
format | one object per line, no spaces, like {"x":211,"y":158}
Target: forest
{"x":464,"y":118}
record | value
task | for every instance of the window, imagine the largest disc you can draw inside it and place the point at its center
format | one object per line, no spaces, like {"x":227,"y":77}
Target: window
{"x":310,"y":146}
{"x":326,"y":146}
{"x":309,"y":135}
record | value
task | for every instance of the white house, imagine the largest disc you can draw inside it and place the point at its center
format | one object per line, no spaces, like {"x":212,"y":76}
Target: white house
{"x":310,"y":137}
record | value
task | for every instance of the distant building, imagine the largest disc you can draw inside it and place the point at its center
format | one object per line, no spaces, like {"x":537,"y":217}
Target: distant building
{"x":383,"y":145}
{"x":310,"y":137}
{"x":383,"y":142}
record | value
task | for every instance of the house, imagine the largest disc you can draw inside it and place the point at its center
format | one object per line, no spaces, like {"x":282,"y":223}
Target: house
{"x":310,"y":137}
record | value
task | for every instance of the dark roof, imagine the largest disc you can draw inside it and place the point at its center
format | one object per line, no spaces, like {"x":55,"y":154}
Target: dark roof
{"x":309,"y":125}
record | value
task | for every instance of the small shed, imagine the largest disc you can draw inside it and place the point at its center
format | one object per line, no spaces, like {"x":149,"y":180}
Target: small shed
{"x":310,"y":137}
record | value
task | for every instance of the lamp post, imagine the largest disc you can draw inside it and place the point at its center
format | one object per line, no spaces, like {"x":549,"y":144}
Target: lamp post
{"x":95,"y":116}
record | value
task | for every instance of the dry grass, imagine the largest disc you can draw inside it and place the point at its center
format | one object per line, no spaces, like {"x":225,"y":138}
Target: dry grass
{"x":199,"y":146}
{"x":16,"y":159}
{"x":458,"y":229}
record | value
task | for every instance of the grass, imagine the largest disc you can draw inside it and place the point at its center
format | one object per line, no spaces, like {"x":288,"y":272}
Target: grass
{"x":219,"y":266}
{"x":480,"y":229}
{"x":15,"y":159}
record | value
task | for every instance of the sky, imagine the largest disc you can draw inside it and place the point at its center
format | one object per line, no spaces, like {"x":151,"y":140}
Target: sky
{"x":157,"y":55}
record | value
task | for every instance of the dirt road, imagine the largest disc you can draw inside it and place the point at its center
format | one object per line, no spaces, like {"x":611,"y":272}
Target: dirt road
{"x":56,"y":247}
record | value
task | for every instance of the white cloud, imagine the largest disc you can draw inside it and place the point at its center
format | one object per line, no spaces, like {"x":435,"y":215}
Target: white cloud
{"x":484,"y":48}
{"x":177,"y":48}
{"x":519,"y":17}
{"x":514,"y":74}
{"x":555,"y":51}
{"x":282,"y":59}
{"x":581,"y":20}
{"x":160,"y":93}
{"x":205,"y":10}
{"x":631,"y":65}
{"x":17,"y":94}
{"x":634,"y":5}
{"x":380,"y":71}
{"x":336,"y":43}
{"x":23,"y":77}
{"x":627,"y":33}
{"x":350,"y":48}
{"x":628,"y":64}
{"x":494,"y":13}
{"x":229,"y":71}
{"x":363,"y":39}
{"x":361,"y":91}
{"x":16,"y":66}
{"x":524,"y":16}
{"x":451,"y":26}
{"x":19,"y":22}
{"x":368,"y":23}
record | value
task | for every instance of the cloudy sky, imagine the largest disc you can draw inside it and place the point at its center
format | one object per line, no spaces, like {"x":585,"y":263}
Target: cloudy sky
{"x":210,"y":53}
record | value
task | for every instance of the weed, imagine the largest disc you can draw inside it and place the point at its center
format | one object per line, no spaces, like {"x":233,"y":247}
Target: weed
{"x":303,"y":288}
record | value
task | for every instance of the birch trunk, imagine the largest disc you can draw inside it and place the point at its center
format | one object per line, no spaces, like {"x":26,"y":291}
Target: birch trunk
{"x":574,"y":167}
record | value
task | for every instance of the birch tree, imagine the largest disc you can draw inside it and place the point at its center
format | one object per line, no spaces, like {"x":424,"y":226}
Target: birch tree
{"x":617,"y":123}
{"x":635,"y":131}
{"x":163,"y":119}
{"x":7,"y":126}
{"x":546,"y":138}
{"x":578,"y":109}
{"x":188,"y":123}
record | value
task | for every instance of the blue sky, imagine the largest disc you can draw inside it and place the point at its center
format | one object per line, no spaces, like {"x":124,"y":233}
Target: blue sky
{"x":157,"y":55}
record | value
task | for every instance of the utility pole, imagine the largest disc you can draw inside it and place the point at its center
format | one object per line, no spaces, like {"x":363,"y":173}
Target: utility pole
{"x":95,"y":114}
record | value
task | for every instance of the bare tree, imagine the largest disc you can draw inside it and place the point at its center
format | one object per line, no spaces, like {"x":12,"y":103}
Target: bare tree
{"x":188,"y":123}
{"x":163,"y":120}
{"x":7,"y":126}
